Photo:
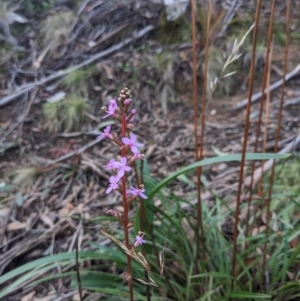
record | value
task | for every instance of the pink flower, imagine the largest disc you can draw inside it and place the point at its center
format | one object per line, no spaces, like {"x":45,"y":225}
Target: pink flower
{"x":113,"y":184}
{"x":113,"y":164}
{"x":137,"y":192}
{"x":112,"y":212}
{"x":132,"y":143}
{"x":122,"y":167}
{"x":111,"y":109}
{"x":130,"y":118}
{"x":106,"y":133}
{"x":138,"y":156}
{"x":139,"y":241}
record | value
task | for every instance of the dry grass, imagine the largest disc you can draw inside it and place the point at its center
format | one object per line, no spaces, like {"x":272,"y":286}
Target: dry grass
{"x":55,"y":32}
{"x":67,"y":115}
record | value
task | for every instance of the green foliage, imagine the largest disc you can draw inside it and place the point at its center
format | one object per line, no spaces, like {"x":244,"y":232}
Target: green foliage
{"x":287,"y":176}
{"x":172,"y":236}
{"x":76,"y":81}
{"x":173,"y":32}
{"x":34,"y":7}
{"x":219,"y":159}
{"x":68,"y":114}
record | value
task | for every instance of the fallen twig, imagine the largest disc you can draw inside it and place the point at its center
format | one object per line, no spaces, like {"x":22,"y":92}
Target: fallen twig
{"x":74,"y":153}
{"x":78,"y":134}
{"x":291,"y":102}
{"x":258,"y":173}
{"x":274,"y":86}
{"x":31,"y":86}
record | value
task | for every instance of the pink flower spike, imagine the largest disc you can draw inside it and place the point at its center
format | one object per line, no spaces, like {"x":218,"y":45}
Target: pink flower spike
{"x":106,"y":133}
{"x":123,"y":167}
{"x":113,"y":184}
{"x":139,"y":241}
{"x":137,"y":192}
{"x":111,"y":109}
{"x":113,"y":164}
{"x":132,"y":143}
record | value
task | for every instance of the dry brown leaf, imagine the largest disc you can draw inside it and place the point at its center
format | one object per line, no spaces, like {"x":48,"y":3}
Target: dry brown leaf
{"x":47,"y":221}
{"x":69,"y":206}
{"x":205,"y":153}
{"x":16,"y":226}
{"x":79,"y":208}
{"x":76,"y":297}
{"x":28,"y":297}
{"x":64,"y":212}
{"x":291,"y":275}
{"x":189,"y":232}
{"x":119,"y":208}
{"x":294,"y":242}
{"x":258,"y":230}
{"x":53,"y":198}
{"x":51,"y":297}
{"x":150,"y":150}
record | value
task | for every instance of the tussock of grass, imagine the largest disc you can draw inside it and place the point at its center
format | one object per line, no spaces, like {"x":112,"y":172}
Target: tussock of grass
{"x":68,"y":114}
{"x":55,"y":31}
{"x":24,"y":176}
{"x":76,"y":81}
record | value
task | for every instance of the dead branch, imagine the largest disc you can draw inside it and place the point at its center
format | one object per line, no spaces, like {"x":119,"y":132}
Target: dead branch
{"x":291,"y":102}
{"x":274,"y":86}
{"x":74,"y":153}
{"x":31,"y":86}
{"x":258,"y":173}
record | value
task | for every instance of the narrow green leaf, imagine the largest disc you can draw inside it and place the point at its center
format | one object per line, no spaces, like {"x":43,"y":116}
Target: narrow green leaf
{"x":212,"y":274}
{"x":50,"y":259}
{"x":227,"y":158}
{"x":248,"y":295}
{"x":16,"y":284}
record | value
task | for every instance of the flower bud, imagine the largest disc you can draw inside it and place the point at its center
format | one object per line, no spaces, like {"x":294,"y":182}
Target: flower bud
{"x":127,"y":102}
{"x":112,"y":212}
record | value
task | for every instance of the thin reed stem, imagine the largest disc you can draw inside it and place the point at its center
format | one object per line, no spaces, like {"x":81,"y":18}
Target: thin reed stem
{"x":267,"y":61}
{"x":196,"y":140}
{"x":246,"y":131}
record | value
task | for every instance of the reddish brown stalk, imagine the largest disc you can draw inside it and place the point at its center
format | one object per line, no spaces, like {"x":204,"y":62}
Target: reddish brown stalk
{"x":125,"y":216}
{"x":198,"y":155}
{"x":269,"y":41}
{"x":260,"y":183}
{"x":258,"y":129}
{"x":286,"y":50}
{"x":246,"y":130}
{"x":143,"y":216}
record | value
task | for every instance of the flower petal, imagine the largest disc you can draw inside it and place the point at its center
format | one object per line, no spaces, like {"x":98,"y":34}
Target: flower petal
{"x":126,"y":141}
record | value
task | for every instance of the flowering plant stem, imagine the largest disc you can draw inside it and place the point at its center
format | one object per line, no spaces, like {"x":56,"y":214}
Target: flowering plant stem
{"x":129,"y":151}
{"x":125,"y":217}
